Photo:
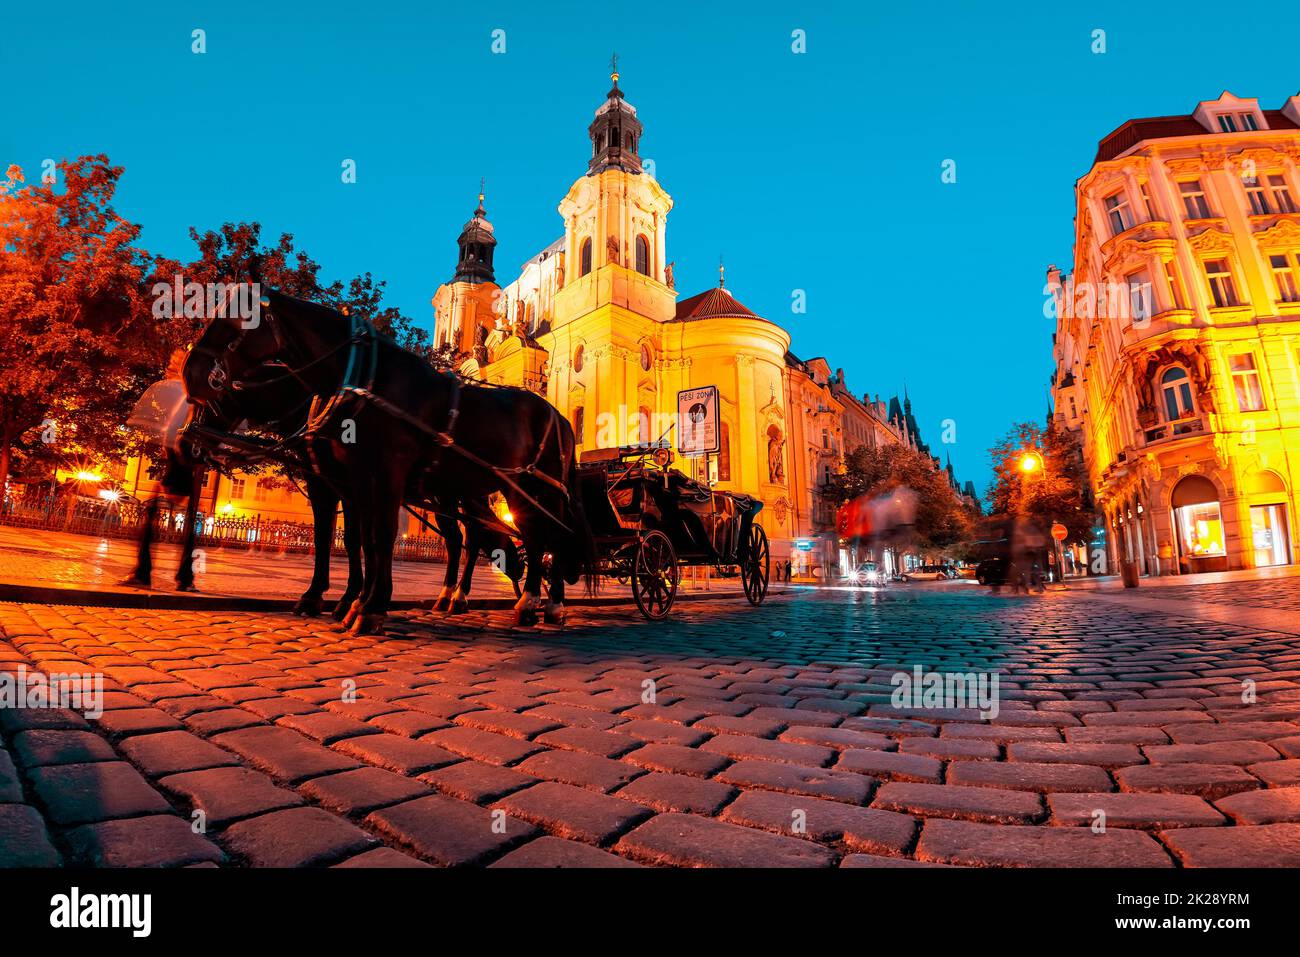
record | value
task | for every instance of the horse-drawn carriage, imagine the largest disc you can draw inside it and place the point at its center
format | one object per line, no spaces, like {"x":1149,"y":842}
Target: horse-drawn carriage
{"x":650,"y":521}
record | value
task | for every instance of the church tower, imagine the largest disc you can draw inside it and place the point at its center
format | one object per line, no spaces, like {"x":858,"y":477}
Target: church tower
{"x":615,"y":223}
{"x":465,"y":308}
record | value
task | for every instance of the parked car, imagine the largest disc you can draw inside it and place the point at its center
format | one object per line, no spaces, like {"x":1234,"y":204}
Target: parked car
{"x":992,"y":571}
{"x":868,"y":573}
{"x":927,"y":573}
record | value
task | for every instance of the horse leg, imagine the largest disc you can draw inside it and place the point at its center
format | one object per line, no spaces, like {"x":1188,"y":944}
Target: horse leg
{"x":363,"y":510}
{"x":387,"y":504}
{"x":553,"y":612}
{"x":535,"y":546}
{"x":451,"y":535}
{"x":185,"y":573}
{"x":143,"y":573}
{"x":324,"y":505}
{"x":460,"y":598}
{"x":356,"y":572}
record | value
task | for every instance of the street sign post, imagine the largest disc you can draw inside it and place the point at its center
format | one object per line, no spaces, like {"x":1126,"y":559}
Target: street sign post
{"x":698,"y":432}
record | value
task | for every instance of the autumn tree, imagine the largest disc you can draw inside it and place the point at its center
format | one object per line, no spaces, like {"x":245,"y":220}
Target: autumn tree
{"x":77,"y":341}
{"x":1055,"y":489}
{"x":942,"y":518}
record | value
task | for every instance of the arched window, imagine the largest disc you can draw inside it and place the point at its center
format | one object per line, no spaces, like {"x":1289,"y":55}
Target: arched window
{"x":1176,"y":389}
{"x":642,"y":256}
{"x":586,"y":257}
{"x":724,"y":453}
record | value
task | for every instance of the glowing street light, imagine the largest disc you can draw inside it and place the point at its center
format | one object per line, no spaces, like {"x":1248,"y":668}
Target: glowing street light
{"x":89,"y":477}
{"x":1031,"y":462}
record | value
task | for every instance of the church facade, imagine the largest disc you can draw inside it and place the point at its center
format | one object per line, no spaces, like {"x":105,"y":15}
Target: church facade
{"x":594,"y":322}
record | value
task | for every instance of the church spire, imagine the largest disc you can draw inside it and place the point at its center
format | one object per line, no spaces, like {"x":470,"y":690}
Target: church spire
{"x":477,"y":243}
{"x":615,"y":132}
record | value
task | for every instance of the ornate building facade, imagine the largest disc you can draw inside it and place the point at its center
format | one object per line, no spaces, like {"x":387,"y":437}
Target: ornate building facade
{"x":594,"y":323}
{"x":1177,"y":345}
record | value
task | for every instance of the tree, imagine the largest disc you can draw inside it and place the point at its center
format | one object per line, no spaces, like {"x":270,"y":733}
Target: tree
{"x":1054,"y":490}
{"x":78,"y":342}
{"x":942,"y":519}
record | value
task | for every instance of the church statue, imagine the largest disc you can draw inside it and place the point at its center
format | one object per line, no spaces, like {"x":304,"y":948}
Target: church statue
{"x":559,"y":272}
{"x":480,"y":345}
{"x":611,"y":246}
{"x":775,"y":456}
{"x":521,"y":323}
{"x":668,"y":276}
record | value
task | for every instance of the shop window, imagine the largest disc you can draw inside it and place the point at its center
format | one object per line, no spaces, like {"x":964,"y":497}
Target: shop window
{"x":1201,"y":529}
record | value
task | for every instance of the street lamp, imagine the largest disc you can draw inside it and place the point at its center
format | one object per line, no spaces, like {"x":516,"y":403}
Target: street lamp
{"x":1031,"y":462}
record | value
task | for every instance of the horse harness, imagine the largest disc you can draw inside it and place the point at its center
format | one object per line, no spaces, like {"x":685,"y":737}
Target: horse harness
{"x":359,"y":382}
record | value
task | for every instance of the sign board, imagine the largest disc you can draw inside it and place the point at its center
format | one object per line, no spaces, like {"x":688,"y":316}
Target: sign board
{"x":698,"y":432}
{"x":1059,"y":532}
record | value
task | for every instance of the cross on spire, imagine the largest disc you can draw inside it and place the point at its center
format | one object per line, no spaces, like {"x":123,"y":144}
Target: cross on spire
{"x":613,"y":67}
{"x":722,"y":273}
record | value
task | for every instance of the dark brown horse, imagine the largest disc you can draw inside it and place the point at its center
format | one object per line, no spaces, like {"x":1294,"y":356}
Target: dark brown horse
{"x":397,"y":429}
{"x":263,"y":398}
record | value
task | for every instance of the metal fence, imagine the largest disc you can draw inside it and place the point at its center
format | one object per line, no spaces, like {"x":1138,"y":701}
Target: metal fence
{"x":83,"y":516}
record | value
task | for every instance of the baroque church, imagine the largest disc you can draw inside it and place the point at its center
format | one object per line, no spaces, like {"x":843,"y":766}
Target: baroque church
{"x":594,"y":322}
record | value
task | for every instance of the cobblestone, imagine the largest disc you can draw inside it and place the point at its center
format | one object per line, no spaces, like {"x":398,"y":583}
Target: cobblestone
{"x":771,"y":739}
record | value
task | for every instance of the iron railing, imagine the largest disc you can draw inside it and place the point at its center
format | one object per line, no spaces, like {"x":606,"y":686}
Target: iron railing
{"x":82,"y":516}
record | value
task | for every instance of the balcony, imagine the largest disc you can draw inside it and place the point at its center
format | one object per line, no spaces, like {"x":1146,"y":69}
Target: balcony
{"x":1168,"y":431}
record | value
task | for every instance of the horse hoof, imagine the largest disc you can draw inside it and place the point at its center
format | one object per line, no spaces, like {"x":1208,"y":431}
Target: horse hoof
{"x":526,"y":617}
{"x":554,"y":614}
{"x":368,"y":625}
{"x":353,"y":613}
{"x":186,"y":586}
{"x":458,"y":606}
{"x":307,"y":607}
{"x":442,"y":604}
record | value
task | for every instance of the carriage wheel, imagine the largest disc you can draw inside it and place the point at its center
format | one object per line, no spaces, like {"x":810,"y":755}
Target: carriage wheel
{"x":654,"y":575}
{"x":756,"y":565}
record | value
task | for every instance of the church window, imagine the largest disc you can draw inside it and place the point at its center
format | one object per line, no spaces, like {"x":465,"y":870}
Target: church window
{"x":642,"y":256}
{"x":586,"y":257}
{"x":724,"y":454}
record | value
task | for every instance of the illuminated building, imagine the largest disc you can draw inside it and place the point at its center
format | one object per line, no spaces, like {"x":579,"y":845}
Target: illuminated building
{"x":1177,"y":346}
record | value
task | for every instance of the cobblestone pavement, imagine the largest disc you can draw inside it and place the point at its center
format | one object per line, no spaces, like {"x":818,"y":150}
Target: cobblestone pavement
{"x":729,"y":737}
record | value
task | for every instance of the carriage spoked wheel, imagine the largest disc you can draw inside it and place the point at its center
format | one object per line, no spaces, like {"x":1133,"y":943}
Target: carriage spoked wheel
{"x":654,"y":575}
{"x":756,"y":565}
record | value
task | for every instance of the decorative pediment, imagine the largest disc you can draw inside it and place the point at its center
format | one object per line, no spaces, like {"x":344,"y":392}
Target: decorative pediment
{"x":1211,"y":240}
{"x":1181,"y":167}
{"x":1255,"y":160}
{"x":1285,"y":232}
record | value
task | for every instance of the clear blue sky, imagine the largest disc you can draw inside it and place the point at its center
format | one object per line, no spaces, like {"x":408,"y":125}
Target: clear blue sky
{"x":818,"y":171}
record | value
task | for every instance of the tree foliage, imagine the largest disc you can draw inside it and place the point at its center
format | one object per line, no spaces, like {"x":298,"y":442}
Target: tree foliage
{"x":942,"y":517}
{"x":1057,"y":491}
{"x":77,"y":341}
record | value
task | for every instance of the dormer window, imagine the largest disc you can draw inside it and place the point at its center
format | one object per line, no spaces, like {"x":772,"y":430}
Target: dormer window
{"x":1238,"y":122}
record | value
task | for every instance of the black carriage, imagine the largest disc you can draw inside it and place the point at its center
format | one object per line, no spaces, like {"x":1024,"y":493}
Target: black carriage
{"x":650,"y":521}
